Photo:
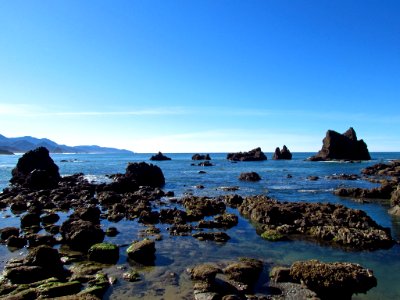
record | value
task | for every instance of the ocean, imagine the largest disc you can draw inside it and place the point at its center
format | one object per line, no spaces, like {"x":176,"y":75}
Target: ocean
{"x":168,"y":279}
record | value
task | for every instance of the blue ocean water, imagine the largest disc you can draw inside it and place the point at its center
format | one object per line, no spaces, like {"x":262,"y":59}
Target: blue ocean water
{"x":175,"y":254}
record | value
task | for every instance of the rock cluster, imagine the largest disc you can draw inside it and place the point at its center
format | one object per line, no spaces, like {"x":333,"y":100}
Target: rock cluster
{"x":252,"y":155}
{"x":336,"y":146}
{"x":337,"y":280}
{"x":330,"y":223}
{"x":282,"y":154}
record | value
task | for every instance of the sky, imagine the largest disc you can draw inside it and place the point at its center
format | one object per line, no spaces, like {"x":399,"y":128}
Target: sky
{"x":200,"y":76}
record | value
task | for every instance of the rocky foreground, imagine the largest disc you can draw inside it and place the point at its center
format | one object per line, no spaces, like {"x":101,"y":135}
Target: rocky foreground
{"x":38,"y":193}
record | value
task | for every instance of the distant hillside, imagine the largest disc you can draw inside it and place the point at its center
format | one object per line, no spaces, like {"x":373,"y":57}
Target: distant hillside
{"x":26,"y":143}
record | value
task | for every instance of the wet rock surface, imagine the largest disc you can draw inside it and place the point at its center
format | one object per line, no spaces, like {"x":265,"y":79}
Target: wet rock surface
{"x":249,"y":176}
{"x":252,"y":155}
{"x":336,"y":146}
{"x":330,"y":223}
{"x":337,"y":280}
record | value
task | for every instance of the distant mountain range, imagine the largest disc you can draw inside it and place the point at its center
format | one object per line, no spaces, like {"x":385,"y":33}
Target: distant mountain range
{"x":26,"y":143}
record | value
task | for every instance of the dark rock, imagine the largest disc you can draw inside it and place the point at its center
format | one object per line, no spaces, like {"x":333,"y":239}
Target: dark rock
{"x":233,"y":200}
{"x":90,"y":213}
{"x":36,"y":170}
{"x":159,"y":156}
{"x":180,"y":229}
{"x":250,"y":176}
{"x":41,"y":239}
{"x":104,"y":253}
{"x":30,"y":219}
{"x":333,"y":280}
{"x":142,"y":251}
{"x":16,"y":242}
{"x":50,"y":218}
{"x":173,"y":216}
{"x":282,"y":154}
{"x":112,"y":231}
{"x":145,"y":174}
{"x":201,"y":157}
{"x":205,"y":164}
{"x":382,"y":192}
{"x":6,"y":232}
{"x":312,"y":178}
{"x":80,"y":234}
{"x":253,"y":155}
{"x":380,"y":169}
{"x":344,"y":146}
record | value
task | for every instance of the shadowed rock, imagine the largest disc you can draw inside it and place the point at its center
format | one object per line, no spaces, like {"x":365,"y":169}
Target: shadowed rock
{"x":36,"y":170}
{"x":282,"y":154}
{"x":249,"y":176}
{"x":344,"y":146}
{"x":159,"y":156}
{"x":253,"y":155}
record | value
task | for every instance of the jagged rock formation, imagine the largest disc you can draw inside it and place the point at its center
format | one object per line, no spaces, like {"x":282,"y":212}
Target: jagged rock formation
{"x":159,"y":156}
{"x":344,"y":146}
{"x":36,"y":170}
{"x":252,"y":155}
{"x":282,"y":154}
{"x":201,"y":157}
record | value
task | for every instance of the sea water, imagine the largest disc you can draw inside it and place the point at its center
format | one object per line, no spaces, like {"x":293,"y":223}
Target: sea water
{"x":168,"y":279}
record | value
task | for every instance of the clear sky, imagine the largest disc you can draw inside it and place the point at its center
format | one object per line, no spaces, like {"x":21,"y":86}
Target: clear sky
{"x":200,"y":76}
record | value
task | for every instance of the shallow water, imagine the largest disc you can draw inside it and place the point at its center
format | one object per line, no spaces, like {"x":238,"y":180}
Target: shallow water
{"x":168,"y":279}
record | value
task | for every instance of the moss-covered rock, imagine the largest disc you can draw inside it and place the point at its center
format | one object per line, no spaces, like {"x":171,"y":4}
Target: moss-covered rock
{"x":142,"y":251}
{"x":104,"y":253}
{"x":272,"y":235}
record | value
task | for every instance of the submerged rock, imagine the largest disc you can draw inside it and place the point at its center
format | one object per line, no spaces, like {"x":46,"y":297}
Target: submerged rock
{"x":252,"y":155}
{"x":344,"y":146}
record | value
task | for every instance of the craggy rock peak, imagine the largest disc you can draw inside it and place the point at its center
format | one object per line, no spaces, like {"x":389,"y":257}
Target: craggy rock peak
{"x":36,"y":170}
{"x":282,"y":154}
{"x":337,"y":280}
{"x":159,"y":156}
{"x":344,"y":146}
{"x":201,"y":157}
{"x":325,"y":222}
{"x":253,"y":155}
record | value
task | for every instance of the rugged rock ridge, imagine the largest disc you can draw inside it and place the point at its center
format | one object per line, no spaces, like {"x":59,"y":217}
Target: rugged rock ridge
{"x":159,"y":156}
{"x":336,"y":146}
{"x":252,"y":155}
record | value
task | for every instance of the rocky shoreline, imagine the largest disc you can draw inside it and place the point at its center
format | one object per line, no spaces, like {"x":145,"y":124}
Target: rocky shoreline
{"x":38,"y":193}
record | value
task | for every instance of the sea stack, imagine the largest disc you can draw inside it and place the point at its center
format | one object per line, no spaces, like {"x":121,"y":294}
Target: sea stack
{"x":282,"y":154}
{"x":336,"y":146}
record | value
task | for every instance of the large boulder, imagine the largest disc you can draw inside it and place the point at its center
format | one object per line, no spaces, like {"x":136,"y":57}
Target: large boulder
{"x":81,"y":234}
{"x":344,"y":146}
{"x":142,"y":251}
{"x":252,"y":155}
{"x":36,"y":170}
{"x":145,"y":174}
{"x":282,"y":154}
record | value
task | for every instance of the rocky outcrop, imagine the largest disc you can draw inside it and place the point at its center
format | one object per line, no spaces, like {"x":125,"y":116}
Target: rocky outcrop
{"x":81,"y":234}
{"x":159,"y":156}
{"x":36,"y":170}
{"x":142,"y":251}
{"x":201,"y":157}
{"x":336,"y":146}
{"x":324,"y":222}
{"x":253,"y":155}
{"x":282,"y":154}
{"x":249,"y":176}
{"x":337,"y":280}
{"x":145,"y":174}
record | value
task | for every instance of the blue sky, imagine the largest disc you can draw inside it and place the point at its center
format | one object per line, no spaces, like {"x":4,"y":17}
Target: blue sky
{"x":200,"y":76}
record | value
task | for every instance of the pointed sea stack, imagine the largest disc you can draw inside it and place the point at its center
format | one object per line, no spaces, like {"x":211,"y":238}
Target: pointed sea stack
{"x":282,"y":154}
{"x":344,"y":146}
